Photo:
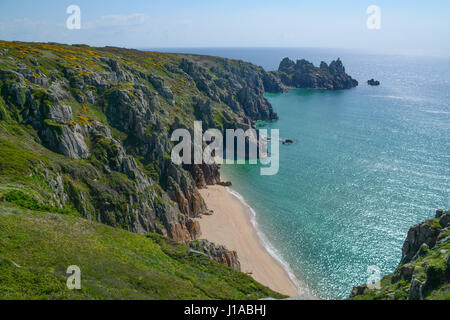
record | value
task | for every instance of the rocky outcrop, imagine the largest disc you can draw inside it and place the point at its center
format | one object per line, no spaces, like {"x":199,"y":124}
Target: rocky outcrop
{"x":272,"y":83}
{"x":444,"y":218}
{"x":373,"y":82}
{"x":204,"y":174}
{"x":61,"y":114}
{"x":225,"y":183}
{"x":239,"y":85}
{"x":71,"y":142}
{"x":303,"y":74}
{"x":359,"y":290}
{"x":423,"y":234}
{"x":204,"y":112}
{"x":162,"y":88}
{"x":424,"y":267}
{"x":217,"y":253}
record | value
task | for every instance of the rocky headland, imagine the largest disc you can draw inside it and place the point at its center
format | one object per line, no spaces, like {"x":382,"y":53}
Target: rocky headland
{"x":303,"y":74}
{"x":86,"y":131}
{"x":424,"y":269}
{"x":110,"y":111}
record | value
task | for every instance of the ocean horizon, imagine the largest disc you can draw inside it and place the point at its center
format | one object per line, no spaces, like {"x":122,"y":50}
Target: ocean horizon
{"x":366,"y":165}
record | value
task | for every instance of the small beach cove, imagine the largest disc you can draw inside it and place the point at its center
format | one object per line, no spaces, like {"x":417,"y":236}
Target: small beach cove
{"x":231,"y":226}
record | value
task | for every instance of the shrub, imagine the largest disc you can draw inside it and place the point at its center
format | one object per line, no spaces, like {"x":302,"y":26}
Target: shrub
{"x":27,"y":201}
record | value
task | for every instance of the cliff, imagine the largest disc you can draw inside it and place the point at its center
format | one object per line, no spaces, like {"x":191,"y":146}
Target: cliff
{"x":87,"y":129}
{"x":424,"y":269}
{"x":303,"y":74}
{"x":85,"y":132}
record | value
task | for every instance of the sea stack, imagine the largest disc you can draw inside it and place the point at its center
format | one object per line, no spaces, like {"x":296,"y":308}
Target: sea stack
{"x":373,"y":82}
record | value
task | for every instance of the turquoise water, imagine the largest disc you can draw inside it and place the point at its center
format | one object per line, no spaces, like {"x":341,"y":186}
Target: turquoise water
{"x":368,"y":163}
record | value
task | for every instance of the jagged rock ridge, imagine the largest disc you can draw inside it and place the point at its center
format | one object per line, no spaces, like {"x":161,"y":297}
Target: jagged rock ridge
{"x":303,"y":74}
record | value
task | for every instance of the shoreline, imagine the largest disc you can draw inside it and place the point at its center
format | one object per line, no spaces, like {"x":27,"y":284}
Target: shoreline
{"x":233,"y":225}
{"x":266,"y":244}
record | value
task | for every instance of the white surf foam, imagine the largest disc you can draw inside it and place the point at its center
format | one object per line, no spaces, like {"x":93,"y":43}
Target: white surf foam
{"x":301,"y":288}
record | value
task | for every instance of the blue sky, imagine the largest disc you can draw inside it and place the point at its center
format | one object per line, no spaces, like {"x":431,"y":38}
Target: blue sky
{"x":406,"y":26}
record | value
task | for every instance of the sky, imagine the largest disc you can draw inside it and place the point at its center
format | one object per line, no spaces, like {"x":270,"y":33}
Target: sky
{"x":421,"y":27}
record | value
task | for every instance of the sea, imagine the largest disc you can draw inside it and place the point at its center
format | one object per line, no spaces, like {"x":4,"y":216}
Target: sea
{"x":366,"y":165}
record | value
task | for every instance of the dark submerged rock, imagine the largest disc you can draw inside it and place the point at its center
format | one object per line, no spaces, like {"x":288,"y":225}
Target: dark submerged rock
{"x":288,"y":142}
{"x":373,"y":82}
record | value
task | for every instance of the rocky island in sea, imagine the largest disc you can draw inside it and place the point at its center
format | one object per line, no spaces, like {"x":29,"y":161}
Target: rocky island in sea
{"x":303,"y":74}
{"x":373,"y":82}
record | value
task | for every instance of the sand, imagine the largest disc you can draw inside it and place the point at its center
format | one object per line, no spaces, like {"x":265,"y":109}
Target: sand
{"x":231,"y":226}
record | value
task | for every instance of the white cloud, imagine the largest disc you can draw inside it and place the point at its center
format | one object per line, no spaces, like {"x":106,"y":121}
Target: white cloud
{"x":117,"y":20}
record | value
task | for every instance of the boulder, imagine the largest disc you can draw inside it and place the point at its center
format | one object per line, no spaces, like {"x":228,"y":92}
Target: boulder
{"x":225,"y":183}
{"x":217,"y":253}
{"x":288,"y":141}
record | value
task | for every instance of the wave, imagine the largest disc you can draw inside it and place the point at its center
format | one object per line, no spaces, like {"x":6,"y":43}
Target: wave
{"x":405,"y":98}
{"x":435,"y":111}
{"x":301,"y":288}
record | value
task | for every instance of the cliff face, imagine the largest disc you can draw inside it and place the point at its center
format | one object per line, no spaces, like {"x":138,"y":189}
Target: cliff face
{"x":88,"y":129}
{"x":303,"y":74}
{"x":424,"y":269}
{"x":238,"y":84}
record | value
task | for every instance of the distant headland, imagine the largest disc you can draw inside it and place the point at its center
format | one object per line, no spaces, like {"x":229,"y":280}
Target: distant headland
{"x":303,"y":74}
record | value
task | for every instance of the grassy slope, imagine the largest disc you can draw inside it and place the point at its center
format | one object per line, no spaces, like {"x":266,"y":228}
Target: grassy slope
{"x":37,"y":247}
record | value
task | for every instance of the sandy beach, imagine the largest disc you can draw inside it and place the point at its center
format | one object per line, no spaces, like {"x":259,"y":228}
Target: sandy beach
{"x":231,"y":226}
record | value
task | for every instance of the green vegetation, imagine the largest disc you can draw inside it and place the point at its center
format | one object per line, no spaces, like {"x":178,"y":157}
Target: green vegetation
{"x":36,"y":249}
{"x":26,"y":201}
{"x":430,"y":266}
{"x":112,"y":166}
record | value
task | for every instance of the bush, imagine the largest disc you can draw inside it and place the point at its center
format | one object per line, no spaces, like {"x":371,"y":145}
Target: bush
{"x":27,"y":201}
{"x":23,"y":200}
